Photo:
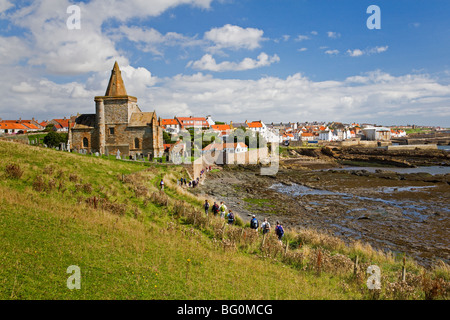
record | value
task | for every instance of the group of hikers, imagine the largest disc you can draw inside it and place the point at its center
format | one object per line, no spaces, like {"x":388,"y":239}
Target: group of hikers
{"x":221,"y":210}
{"x":193,"y":183}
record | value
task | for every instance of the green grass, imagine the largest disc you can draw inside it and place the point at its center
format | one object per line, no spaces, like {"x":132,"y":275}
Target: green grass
{"x":155,"y":245}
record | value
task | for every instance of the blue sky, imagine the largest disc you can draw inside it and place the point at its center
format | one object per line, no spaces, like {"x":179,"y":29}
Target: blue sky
{"x":270,"y":60}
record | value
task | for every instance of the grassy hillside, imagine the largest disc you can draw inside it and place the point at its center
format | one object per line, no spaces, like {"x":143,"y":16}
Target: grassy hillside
{"x":131,"y":241}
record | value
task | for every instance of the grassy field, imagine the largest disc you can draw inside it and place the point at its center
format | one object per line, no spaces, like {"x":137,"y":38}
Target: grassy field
{"x":132,"y":241}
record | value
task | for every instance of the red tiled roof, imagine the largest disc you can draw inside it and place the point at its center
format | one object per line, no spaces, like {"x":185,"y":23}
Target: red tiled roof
{"x":169,"y":122}
{"x":63,"y":122}
{"x":254,"y":124}
{"x":11,"y":125}
{"x":221,"y":127}
{"x":30,"y":126}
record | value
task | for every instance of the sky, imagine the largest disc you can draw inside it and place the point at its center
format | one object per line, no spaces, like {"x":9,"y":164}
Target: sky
{"x":236,"y":60}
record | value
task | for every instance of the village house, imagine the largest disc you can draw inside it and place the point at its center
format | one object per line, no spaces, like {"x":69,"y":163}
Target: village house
{"x":170,"y":125}
{"x":19,"y":126}
{"x":307,"y":136}
{"x":59,"y":125}
{"x":193,"y":122}
{"x":328,"y":135}
{"x":377,"y":133}
{"x":118,"y":125}
{"x":398,"y":133}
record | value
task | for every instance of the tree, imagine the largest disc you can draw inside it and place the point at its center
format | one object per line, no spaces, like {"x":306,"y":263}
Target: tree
{"x":167,"y":137}
{"x":53,"y":139}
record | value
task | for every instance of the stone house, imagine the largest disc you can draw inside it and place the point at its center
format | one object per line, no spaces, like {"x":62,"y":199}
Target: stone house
{"x":117,"y":125}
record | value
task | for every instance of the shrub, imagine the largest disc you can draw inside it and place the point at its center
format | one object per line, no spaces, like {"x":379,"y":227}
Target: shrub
{"x":39,"y":184}
{"x":13,"y":171}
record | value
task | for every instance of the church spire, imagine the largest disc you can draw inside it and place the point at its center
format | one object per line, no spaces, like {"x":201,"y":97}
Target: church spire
{"x":115,"y":86}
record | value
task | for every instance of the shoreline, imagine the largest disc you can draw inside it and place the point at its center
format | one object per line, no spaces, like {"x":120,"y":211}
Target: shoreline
{"x":409,"y":216}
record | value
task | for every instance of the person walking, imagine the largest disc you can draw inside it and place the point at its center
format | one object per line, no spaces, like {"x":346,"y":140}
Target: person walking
{"x":230,"y":217}
{"x":206,"y":206}
{"x":215,"y":209}
{"x":279,"y":231}
{"x":222,"y":209}
{"x":161,"y":185}
{"x":254,"y":223}
{"x":265,"y":226}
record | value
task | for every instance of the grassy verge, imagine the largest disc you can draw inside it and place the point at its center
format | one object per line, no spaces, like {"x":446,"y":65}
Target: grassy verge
{"x":132,"y":241}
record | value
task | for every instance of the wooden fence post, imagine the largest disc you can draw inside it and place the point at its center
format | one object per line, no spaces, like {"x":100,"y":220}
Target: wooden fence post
{"x":404,"y":270}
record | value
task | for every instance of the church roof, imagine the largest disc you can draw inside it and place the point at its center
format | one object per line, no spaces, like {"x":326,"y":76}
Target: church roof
{"x":85,"y":121}
{"x":116,"y":87}
{"x":141,"y":119}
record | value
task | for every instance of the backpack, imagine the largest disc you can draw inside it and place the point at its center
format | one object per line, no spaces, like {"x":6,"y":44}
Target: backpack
{"x":266,"y":227}
{"x":254,"y":223}
{"x":231,"y":216}
{"x":280,"y":230}
{"x":207,"y":205}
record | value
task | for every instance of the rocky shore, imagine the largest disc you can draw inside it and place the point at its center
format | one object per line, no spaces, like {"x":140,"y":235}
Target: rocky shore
{"x":403,"y":213}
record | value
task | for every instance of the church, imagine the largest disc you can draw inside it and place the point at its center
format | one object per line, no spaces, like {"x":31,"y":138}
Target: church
{"x":117,"y":125}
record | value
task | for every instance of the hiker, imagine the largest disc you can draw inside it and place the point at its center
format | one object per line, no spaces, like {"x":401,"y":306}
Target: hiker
{"x":215,"y":209}
{"x":161,"y":185}
{"x":230,"y":217}
{"x":206,"y":206}
{"x":279,"y":231}
{"x":254,"y":223}
{"x":185,"y":182}
{"x":265,"y":226}
{"x":222,"y":209}
{"x":189,"y":184}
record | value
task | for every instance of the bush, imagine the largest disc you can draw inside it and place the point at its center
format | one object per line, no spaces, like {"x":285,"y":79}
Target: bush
{"x":13,"y":171}
{"x":53,"y":139}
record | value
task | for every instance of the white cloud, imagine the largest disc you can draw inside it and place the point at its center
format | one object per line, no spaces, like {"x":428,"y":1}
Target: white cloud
{"x":207,"y":62}
{"x":355,"y":52}
{"x":332,"y":52}
{"x":378,"y":49}
{"x":359,"y":52}
{"x":302,"y":49}
{"x":151,"y":40}
{"x":315,"y":33}
{"x":234,"y":37}
{"x":5,"y":5}
{"x":296,"y":97}
{"x":72,"y":52}
{"x":302,"y":37}
{"x":12,"y":50}
{"x":23,"y":87}
{"x":333,"y":35}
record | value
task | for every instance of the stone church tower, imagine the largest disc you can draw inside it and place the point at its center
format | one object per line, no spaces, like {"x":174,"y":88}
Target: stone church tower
{"x":118,"y":124}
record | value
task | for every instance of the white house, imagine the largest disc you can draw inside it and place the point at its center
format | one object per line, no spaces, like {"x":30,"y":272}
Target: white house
{"x":377,"y":133}
{"x":328,"y":135}
{"x":170,"y":125}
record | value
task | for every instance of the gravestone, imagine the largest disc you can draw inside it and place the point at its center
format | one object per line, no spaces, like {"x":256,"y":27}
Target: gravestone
{"x":118,"y":155}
